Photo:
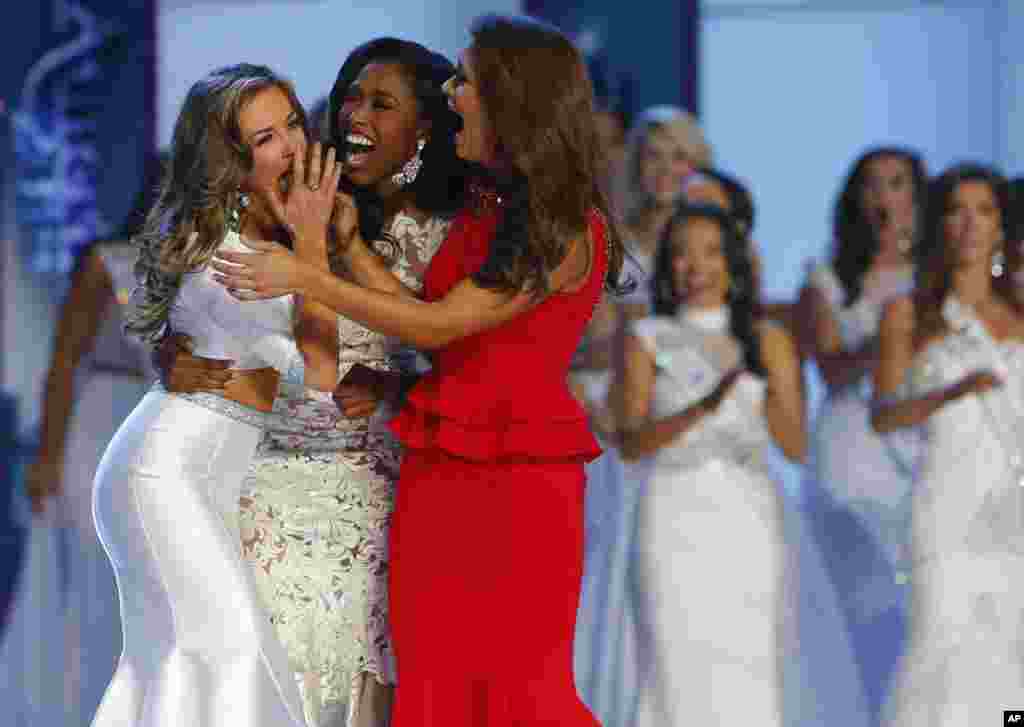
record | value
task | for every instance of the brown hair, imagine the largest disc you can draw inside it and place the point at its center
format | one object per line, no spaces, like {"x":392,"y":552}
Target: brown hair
{"x":934,"y":277}
{"x":208,"y":163}
{"x":539,"y":102}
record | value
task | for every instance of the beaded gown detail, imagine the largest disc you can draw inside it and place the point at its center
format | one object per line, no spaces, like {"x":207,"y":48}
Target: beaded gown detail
{"x":965,"y":660}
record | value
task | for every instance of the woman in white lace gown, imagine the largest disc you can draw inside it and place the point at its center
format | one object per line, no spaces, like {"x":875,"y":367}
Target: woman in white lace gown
{"x":318,"y":495}
{"x":952,"y":364}
{"x":857,"y":495}
{"x":199,"y":649}
{"x":707,"y":388}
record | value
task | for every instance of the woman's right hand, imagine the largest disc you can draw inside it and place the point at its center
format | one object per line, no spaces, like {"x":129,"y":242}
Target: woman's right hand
{"x":977,"y":382}
{"x":182,"y":373}
{"x":43,"y":480}
{"x":345,"y":223}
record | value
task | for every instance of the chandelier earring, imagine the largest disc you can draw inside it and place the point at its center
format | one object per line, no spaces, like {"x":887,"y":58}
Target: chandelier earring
{"x":237,"y":210}
{"x":411,"y":168}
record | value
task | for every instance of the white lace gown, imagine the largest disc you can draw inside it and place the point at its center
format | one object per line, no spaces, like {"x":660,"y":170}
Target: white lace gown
{"x":62,"y":646}
{"x":965,"y":660}
{"x":858,"y":497}
{"x":708,"y":568}
{"x":199,"y":648}
{"x":315,"y":508}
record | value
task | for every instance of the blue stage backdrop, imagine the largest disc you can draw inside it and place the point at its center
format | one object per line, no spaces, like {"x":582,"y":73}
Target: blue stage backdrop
{"x":77,"y":108}
{"x":78,"y":83}
{"x":647,"y":51}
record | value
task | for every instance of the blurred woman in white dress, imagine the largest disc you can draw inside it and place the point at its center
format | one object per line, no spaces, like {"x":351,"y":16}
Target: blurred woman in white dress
{"x":62,"y":647}
{"x":707,"y":388}
{"x":199,"y":649}
{"x":857,"y":495}
{"x":952,"y":365}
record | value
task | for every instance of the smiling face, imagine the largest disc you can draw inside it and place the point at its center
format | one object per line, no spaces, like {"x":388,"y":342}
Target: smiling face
{"x":272,"y":129}
{"x":700,"y":269}
{"x":474,"y":142}
{"x":383,"y":120}
{"x":972,"y":225}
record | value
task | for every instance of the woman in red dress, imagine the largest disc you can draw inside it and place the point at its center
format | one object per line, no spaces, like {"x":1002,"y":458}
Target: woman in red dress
{"x":487,"y":531}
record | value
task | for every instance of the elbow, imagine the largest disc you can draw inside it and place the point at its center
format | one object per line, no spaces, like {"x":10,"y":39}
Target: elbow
{"x":880,"y":422}
{"x":797,"y":452}
{"x":629,"y":448}
{"x":433,"y":338}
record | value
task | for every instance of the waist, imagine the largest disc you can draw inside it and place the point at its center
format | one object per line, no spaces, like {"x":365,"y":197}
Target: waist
{"x":254,"y":388}
{"x":110,"y":368}
{"x":221,"y":405}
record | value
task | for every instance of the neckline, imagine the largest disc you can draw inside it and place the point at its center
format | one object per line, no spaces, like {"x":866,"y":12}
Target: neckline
{"x":953,"y":308}
{"x":712,"y":320}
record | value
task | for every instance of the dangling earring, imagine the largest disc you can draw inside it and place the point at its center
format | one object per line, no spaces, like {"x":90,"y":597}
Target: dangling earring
{"x":235,"y":213}
{"x":411,"y":168}
{"x":998,"y":263}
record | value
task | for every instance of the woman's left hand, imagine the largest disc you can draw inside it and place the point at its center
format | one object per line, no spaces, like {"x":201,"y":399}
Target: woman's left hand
{"x":270,"y":271}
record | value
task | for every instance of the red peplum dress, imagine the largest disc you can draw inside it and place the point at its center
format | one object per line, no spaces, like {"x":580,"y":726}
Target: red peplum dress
{"x":487,"y":531}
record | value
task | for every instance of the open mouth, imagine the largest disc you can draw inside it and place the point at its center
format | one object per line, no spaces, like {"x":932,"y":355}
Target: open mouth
{"x":284,"y":182}
{"x":358,"y":148}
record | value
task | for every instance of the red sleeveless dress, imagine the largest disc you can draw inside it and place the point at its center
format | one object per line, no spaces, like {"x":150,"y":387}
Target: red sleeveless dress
{"x":487,"y":533}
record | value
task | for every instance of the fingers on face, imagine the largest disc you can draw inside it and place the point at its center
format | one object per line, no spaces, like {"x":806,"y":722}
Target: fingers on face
{"x":315,"y":166}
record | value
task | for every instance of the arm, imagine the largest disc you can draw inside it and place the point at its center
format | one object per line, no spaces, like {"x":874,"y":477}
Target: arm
{"x":466,"y":310}
{"x":641,"y":436}
{"x":77,"y":326}
{"x":896,"y":355}
{"x":839,"y":367}
{"x":316,"y":328}
{"x":366,"y":267}
{"x":784,"y":402}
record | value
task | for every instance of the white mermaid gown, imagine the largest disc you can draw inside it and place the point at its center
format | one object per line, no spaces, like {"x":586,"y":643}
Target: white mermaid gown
{"x":199,"y":649}
{"x":965,"y":660}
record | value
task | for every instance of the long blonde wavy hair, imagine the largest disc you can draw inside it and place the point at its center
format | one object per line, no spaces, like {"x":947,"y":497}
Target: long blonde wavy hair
{"x":208,"y":163}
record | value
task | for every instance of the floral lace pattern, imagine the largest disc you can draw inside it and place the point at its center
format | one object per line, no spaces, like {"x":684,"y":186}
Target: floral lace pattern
{"x":315,"y":509}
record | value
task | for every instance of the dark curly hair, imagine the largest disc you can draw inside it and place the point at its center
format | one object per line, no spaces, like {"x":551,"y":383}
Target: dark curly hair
{"x":665,"y":299}
{"x":855,"y":243}
{"x":440,"y":187}
{"x":934,"y":278}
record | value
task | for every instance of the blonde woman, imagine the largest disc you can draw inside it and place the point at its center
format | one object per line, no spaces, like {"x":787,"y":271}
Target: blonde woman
{"x":664,"y":148}
{"x":198,"y":648}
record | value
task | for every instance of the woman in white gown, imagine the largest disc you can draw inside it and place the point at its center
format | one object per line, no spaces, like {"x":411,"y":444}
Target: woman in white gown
{"x":663,"y":147}
{"x":857,"y":495}
{"x":318,"y":495}
{"x":952,"y":364}
{"x":61,"y":648}
{"x":199,"y":650}
{"x":707,"y":388}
